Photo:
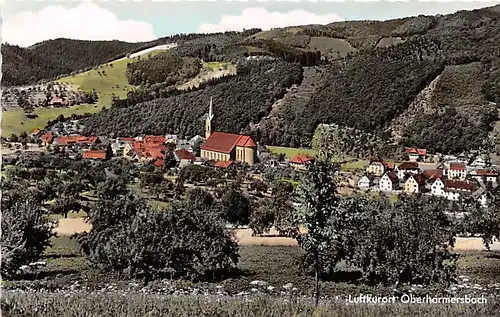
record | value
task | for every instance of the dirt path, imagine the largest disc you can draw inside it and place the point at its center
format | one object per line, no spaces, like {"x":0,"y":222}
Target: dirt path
{"x":244,"y":236}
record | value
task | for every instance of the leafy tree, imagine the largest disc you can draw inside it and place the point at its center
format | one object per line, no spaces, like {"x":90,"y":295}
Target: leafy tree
{"x":26,"y":232}
{"x":235,"y":206}
{"x":189,"y":240}
{"x":402,"y":243}
{"x":321,"y":213}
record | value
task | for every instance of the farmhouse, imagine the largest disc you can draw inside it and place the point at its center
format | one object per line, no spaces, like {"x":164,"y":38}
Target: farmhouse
{"x":406,"y":168}
{"x":389,"y":182}
{"x":184,"y":157}
{"x":77,"y":139}
{"x":456,"y":171}
{"x":415,"y":154}
{"x":300,"y":161}
{"x":220,"y":146}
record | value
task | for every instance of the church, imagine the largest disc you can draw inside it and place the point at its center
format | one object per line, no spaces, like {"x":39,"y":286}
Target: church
{"x":224,"y":147}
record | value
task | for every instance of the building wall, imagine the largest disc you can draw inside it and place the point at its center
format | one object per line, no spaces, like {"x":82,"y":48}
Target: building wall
{"x":437,"y":189}
{"x":460,"y":174}
{"x":386,"y":184}
{"x":217,"y":156}
{"x":411,"y":186}
{"x":376,"y":169}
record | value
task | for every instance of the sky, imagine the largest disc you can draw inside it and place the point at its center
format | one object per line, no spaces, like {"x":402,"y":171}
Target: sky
{"x":26,"y":22}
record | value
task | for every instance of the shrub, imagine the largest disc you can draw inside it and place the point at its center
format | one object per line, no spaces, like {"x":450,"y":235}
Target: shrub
{"x":26,"y":232}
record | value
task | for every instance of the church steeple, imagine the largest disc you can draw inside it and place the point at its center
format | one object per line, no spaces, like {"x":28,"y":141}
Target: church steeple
{"x":208,"y":121}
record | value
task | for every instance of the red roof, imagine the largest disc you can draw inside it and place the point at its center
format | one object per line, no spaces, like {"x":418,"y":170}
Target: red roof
{"x":419,"y":178}
{"x":94,"y":154}
{"x":65,"y":140}
{"x":411,"y":150}
{"x":408,"y":166}
{"x":47,"y":137}
{"x":486,"y":172}
{"x":301,"y":159}
{"x":155,"y":139}
{"x":246,"y":141}
{"x":223,"y":164}
{"x":159,"y":163}
{"x":225,"y":142}
{"x":433,"y":174}
{"x":456,"y":184}
{"x":157,"y":152}
{"x":183,"y":154}
{"x":129,"y":139}
{"x":36,"y":131}
{"x":392,"y":176}
{"x":457,"y":166}
{"x":57,"y":99}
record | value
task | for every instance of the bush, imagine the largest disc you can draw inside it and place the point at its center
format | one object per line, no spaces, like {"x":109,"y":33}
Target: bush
{"x":186,"y":241}
{"x":26,"y":232}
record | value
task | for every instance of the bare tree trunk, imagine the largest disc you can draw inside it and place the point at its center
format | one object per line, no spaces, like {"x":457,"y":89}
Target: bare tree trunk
{"x":316,"y":290}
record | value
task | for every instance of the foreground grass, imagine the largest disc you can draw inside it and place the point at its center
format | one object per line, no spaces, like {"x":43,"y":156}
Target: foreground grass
{"x":139,"y":305}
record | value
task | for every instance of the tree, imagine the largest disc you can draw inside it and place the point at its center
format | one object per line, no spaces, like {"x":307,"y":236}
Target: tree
{"x":322,"y":215}
{"x":188,"y":240}
{"x":235,"y":206}
{"x":403,"y":242}
{"x":483,"y":220}
{"x":26,"y":232}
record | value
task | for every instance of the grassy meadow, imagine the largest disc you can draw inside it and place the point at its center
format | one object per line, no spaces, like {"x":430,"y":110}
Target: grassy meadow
{"x":84,"y":291}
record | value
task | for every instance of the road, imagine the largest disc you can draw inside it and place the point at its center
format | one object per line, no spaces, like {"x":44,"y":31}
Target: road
{"x":244,"y":236}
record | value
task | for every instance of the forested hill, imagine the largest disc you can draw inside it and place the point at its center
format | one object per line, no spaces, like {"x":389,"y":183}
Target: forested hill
{"x":53,"y":58}
{"x":430,"y":81}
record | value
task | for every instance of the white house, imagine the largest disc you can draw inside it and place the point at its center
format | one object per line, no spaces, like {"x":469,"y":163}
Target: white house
{"x":455,"y":188}
{"x":456,"y":171}
{"x":364,"y":182}
{"x":486,"y":176}
{"x":479,"y":161}
{"x":388,"y":182}
{"x":407,"y":168}
{"x":437,"y":188}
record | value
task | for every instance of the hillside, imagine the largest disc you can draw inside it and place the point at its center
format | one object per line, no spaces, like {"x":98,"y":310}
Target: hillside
{"x":429,"y":81}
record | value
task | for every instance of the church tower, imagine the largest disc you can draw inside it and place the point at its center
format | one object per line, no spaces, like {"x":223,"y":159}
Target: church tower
{"x":208,"y":121}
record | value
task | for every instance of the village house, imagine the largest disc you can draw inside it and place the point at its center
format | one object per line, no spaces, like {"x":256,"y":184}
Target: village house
{"x":96,"y":155}
{"x":456,"y":170}
{"x":365,"y":181}
{"x":438,"y":186}
{"x":455,"y":188}
{"x":407,"y":168}
{"x":485,"y":176}
{"x":77,"y":139}
{"x":47,"y":138}
{"x":184,"y":157}
{"x":58,"y":101}
{"x":300,"y":161}
{"x":220,"y":146}
{"x":223,"y":164}
{"x":415,"y":155}
{"x":377,"y":167}
{"x":389,"y":182}
{"x":415,"y":184}
{"x":479,"y":161}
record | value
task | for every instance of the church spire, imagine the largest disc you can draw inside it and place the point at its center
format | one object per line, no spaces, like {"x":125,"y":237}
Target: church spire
{"x":208,"y":121}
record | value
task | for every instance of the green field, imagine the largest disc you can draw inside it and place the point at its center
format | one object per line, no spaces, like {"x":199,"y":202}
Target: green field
{"x":291,"y":152}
